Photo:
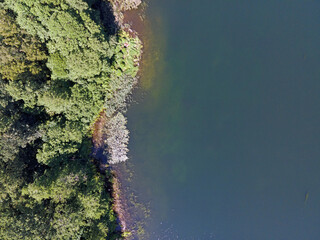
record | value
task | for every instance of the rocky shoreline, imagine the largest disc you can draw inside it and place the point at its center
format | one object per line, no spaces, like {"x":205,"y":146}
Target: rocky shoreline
{"x":120,"y":6}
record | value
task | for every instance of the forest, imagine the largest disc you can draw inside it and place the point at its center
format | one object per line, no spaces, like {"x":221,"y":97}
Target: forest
{"x":62,"y":62}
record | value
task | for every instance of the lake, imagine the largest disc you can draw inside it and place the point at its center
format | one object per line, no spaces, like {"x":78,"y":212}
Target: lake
{"x":225,"y":138}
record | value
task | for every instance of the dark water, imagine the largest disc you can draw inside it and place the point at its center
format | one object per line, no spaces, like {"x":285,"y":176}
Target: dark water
{"x":226,"y":141}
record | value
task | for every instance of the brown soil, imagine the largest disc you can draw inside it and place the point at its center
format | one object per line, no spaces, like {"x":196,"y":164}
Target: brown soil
{"x":97,"y":136}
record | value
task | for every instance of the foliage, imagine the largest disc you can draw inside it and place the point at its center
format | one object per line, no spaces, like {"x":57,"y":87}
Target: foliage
{"x":117,"y":98}
{"x":77,"y":46}
{"x":19,"y":52}
{"x":127,"y":54}
{"x":59,"y":67}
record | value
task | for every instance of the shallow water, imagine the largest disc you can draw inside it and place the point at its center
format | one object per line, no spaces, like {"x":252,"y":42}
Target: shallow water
{"x":225,"y":142}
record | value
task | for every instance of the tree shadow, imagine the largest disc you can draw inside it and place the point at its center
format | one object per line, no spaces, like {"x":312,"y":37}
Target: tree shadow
{"x":103,"y":15}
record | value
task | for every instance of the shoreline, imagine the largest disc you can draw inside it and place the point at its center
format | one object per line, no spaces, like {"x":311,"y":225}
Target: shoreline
{"x":115,"y":173}
{"x":122,"y":202}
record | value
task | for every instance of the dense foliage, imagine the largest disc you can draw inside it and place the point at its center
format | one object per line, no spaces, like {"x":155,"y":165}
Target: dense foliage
{"x":59,"y":67}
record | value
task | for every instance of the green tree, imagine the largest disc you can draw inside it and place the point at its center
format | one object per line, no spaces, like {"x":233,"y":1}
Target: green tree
{"x":59,"y":67}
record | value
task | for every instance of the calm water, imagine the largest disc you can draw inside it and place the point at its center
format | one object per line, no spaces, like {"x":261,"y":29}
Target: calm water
{"x":225,"y":143}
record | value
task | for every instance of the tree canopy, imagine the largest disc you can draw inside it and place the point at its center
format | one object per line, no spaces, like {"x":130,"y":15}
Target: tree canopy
{"x":59,"y":67}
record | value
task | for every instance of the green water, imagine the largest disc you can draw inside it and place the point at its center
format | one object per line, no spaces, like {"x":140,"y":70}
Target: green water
{"x":225,"y":141}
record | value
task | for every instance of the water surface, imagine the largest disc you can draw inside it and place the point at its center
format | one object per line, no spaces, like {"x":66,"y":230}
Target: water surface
{"x":225,"y":143}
